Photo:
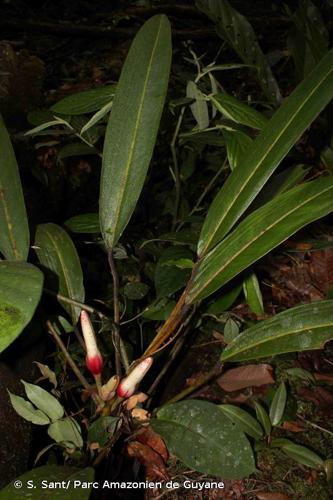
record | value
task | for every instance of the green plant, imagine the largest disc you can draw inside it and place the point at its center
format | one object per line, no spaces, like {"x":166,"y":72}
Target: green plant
{"x":234,"y":235}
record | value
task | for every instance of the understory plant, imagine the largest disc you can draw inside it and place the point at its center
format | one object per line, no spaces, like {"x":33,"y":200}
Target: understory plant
{"x":253,"y":212}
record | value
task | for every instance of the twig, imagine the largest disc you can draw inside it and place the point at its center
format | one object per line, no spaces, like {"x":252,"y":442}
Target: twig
{"x":203,"y":380}
{"x":73,"y":302}
{"x":116,"y":313}
{"x":71,"y":362}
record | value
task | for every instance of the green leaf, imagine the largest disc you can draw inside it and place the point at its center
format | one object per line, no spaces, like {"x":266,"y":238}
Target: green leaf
{"x":87,"y":101}
{"x":278,"y":404}
{"x":51,"y":474}
{"x":66,"y":431}
{"x":239,"y":34}
{"x":237,"y":111}
{"x":56,"y":251}
{"x":271,"y":146}
{"x":27,"y":411}
{"x":98,"y":116}
{"x":133,"y":125}
{"x":76,"y":149}
{"x":260,"y":232}
{"x":136,"y":290}
{"x":243,"y":419}
{"x":44,"y":401}
{"x":169,"y":279}
{"x":231,"y":330}
{"x":204,"y":439}
{"x":253,"y":294}
{"x":301,"y":374}
{"x":237,"y":144}
{"x":199,"y":108}
{"x":303,"y":455}
{"x":225,"y":301}
{"x":20,"y":291}
{"x":84,"y":223}
{"x":14,"y":230}
{"x":263,"y":418}
{"x":159,"y":311}
{"x":328,"y":467}
{"x":301,"y":328}
{"x":102,"y":429}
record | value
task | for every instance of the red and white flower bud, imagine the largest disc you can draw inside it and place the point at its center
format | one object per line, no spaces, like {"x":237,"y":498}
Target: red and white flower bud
{"x":94,"y":360}
{"x":128,"y":384}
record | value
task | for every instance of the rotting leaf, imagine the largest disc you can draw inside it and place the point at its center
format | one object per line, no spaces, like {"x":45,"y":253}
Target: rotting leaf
{"x":246,"y":376}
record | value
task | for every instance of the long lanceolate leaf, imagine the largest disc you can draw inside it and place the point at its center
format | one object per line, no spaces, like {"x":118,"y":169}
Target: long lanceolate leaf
{"x":14,"y":230}
{"x":259,"y":233}
{"x":56,"y":252}
{"x":133,"y":125}
{"x":238,"y":32}
{"x":301,"y":328}
{"x":270,"y":147}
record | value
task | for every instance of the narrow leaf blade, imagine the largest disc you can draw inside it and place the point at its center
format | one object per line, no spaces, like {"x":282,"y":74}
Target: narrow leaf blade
{"x":301,"y":328}
{"x":133,"y":125}
{"x":278,"y":404}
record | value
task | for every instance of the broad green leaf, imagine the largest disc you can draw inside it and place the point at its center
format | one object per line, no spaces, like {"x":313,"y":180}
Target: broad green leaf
{"x":243,"y":419}
{"x":303,"y":455}
{"x":133,"y":125}
{"x":66,"y":431}
{"x":44,"y":401}
{"x":14,"y":230}
{"x":84,"y":223}
{"x":271,"y":146}
{"x":56,"y":251}
{"x":200,"y":435}
{"x":51,"y":474}
{"x":238,"y":111}
{"x":301,"y":374}
{"x":87,"y":101}
{"x":263,"y":418}
{"x":253,"y":294}
{"x":20,"y":291}
{"x":237,"y":144}
{"x":27,"y":411}
{"x":301,"y":328}
{"x":159,"y":311}
{"x":278,"y":404}
{"x":199,"y":108}
{"x":239,"y":34}
{"x":260,"y":232}
{"x":102,"y":429}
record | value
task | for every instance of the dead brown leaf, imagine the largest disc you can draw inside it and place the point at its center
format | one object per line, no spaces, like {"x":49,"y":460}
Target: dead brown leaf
{"x":269,"y":495}
{"x":324,"y":377}
{"x":246,"y":376}
{"x":292,"y":426}
{"x":151,"y":438}
{"x":152,"y":461}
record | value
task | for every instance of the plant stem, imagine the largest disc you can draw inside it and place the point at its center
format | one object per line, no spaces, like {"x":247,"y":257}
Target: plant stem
{"x":70,"y":361}
{"x":176,"y":166}
{"x":116,"y":313}
{"x":73,"y":302}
